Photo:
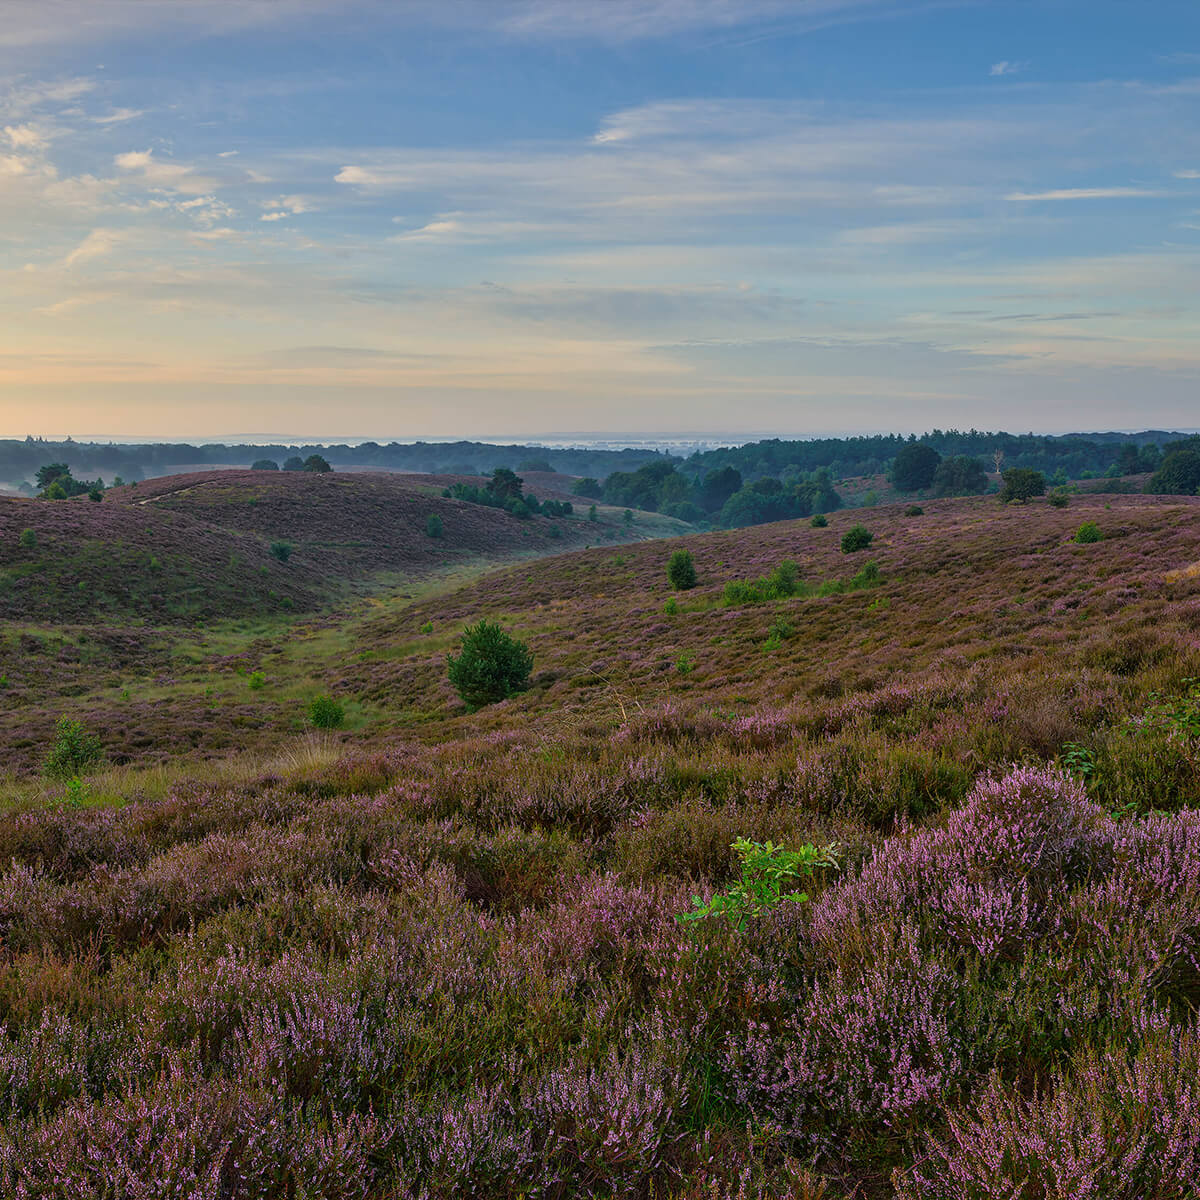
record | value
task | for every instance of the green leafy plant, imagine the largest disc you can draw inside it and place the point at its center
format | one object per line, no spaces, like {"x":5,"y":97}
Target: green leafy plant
{"x":28,"y":539}
{"x":281,"y":550}
{"x":856,"y":538}
{"x":671,"y":607}
{"x":685,"y":664}
{"x":1058,"y":498}
{"x":1088,"y":533}
{"x":819,"y":521}
{"x":427,"y":627}
{"x":76,"y":793}
{"x":256,"y":681}
{"x":681,"y":570}
{"x":74,"y":750}
{"x":433,"y":526}
{"x":1078,"y":760}
{"x":768,"y":875}
{"x":490,"y":665}
{"x":914,"y":510}
{"x":324,"y":712}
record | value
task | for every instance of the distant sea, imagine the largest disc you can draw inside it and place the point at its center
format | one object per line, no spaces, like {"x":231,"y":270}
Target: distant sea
{"x":673,"y":443}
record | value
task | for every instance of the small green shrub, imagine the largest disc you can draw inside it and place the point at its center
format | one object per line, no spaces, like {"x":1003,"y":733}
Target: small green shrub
{"x":914,"y":510}
{"x":859,"y":537}
{"x":281,"y":550}
{"x":819,"y":521}
{"x":28,"y":539}
{"x":867,"y":575}
{"x":685,"y":664}
{"x":627,"y":516}
{"x":324,"y":712}
{"x":433,"y":526}
{"x":1087,"y":533}
{"x":593,"y":515}
{"x":256,"y":681}
{"x":490,"y":665}
{"x":1058,"y":499}
{"x":95,"y":494}
{"x":427,"y":627}
{"x":681,"y":570}
{"x":74,"y":750}
{"x":768,"y":871}
{"x":671,"y":607}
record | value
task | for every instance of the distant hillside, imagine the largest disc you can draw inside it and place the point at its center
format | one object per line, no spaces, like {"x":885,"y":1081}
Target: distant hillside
{"x":199,"y":546}
{"x":113,"y":562}
{"x":347,"y":524}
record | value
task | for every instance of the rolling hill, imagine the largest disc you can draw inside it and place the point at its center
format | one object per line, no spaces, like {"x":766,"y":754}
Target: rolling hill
{"x":442,"y":953}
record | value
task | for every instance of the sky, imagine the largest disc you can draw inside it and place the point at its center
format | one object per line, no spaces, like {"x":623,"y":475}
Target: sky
{"x":396,"y":218}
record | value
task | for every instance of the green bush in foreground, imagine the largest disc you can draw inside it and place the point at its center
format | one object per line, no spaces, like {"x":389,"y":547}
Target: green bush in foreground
{"x":28,"y":539}
{"x":490,"y":665}
{"x":681,"y":570}
{"x":73,"y":752}
{"x":859,"y":537}
{"x":767,"y":870}
{"x":324,"y":712}
{"x":819,"y":521}
{"x":433,"y":526}
{"x":1087,"y":533}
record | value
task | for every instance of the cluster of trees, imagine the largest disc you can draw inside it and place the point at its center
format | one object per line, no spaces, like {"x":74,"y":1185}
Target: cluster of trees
{"x":314,"y":462}
{"x":720,"y":496}
{"x":1076,"y":456}
{"x":918,"y":467}
{"x":55,"y":482}
{"x":1179,"y":472}
{"x":505,"y":489}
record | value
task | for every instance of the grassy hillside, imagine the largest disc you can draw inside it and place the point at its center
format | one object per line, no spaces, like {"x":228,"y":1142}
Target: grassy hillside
{"x":438,"y":953}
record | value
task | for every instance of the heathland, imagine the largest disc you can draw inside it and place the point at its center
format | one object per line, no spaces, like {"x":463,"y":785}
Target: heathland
{"x":438,"y":952}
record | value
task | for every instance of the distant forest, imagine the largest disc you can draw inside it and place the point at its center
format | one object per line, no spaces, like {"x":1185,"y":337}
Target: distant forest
{"x":1077,"y":455}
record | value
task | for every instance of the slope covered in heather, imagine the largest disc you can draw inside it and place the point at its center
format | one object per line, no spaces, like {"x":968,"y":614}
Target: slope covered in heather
{"x":438,"y":953}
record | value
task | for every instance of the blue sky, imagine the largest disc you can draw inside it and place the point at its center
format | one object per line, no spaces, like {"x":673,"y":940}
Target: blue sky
{"x":483,"y":217}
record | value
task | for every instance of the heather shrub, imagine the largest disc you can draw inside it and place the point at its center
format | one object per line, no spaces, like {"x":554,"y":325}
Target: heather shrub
{"x":858,"y":537}
{"x":681,"y":570}
{"x":73,"y":752}
{"x":1118,"y":1123}
{"x":1088,"y":533}
{"x":324,"y":712}
{"x":490,"y":665}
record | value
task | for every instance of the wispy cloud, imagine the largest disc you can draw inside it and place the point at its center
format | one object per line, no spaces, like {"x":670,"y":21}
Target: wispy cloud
{"x":1094,"y":193}
{"x":1005,"y":67}
{"x":97,"y":244}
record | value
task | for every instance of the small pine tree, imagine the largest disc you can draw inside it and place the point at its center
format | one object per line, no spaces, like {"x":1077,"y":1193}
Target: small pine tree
{"x":859,"y":537}
{"x":1088,"y":533}
{"x":819,"y":521}
{"x":490,"y":665}
{"x":681,"y":570}
{"x":433,"y":526}
{"x":28,"y":539}
{"x":281,"y":550}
